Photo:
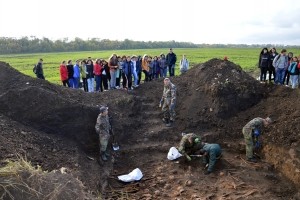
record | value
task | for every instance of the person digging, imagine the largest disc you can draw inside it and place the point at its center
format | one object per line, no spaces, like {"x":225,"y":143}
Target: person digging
{"x":251,"y":131}
{"x":210,"y":154}
{"x":190,"y":143}
{"x":103,"y":130}
{"x":168,"y":101}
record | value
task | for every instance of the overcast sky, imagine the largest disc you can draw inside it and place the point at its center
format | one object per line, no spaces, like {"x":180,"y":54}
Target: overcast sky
{"x":197,"y":21}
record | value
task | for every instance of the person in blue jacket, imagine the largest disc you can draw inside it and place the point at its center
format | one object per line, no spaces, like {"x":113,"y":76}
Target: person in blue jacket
{"x":128,"y":71}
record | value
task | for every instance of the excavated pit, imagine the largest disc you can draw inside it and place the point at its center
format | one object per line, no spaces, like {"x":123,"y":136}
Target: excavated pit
{"x":53,"y":127}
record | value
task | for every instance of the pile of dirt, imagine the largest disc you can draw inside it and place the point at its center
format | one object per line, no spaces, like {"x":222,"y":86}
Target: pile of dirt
{"x":23,"y":181}
{"x":53,"y":126}
{"x":218,"y":88}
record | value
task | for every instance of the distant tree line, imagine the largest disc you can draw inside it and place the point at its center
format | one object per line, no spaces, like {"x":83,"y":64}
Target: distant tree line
{"x":36,"y":45}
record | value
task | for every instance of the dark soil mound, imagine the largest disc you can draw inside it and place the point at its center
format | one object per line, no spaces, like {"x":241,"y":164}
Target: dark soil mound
{"x":217,"y":88}
{"x":57,"y":110}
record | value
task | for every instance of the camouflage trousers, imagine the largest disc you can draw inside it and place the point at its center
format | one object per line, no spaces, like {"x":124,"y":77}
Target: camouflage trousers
{"x":248,"y":141}
{"x":169,"y":113}
{"x":104,"y":138}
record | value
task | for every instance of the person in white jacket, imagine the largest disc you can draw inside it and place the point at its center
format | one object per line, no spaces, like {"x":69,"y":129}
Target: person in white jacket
{"x":184,"y":64}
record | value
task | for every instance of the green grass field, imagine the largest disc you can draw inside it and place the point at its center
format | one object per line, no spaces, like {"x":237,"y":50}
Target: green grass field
{"x":247,"y":58}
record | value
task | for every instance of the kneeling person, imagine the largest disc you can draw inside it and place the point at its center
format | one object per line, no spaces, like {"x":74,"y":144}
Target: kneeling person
{"x":189,"y":144}
{"x":211,"y":153}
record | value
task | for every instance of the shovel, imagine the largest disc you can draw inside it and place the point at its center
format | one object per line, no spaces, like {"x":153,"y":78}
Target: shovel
{"x":114,"y":143}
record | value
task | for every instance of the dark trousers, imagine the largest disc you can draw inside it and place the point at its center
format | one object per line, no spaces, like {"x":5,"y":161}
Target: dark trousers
{"x":124,"y":83}
{"x":286,"y":77}
{"x":146,"y":75}
{"x":263,"y":73}
{"x":140,"y":77}
{"x":129,"y":80}
{"x":98,"y":80}
{"x":85,"y":85}
{"x":172,"y":70}
{"x":104,"y":81}
{"x":40,"y":76}
{"x":65,"y":83}
{"x":272,"y":71}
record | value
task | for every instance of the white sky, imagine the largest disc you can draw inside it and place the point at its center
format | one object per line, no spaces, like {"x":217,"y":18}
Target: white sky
{"x":197,"y":21}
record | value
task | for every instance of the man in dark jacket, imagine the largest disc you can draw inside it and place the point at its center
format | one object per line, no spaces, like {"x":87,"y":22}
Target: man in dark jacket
{"x":171,"y":60}
{"x":211,"y":153}
{"x":39,"y":69}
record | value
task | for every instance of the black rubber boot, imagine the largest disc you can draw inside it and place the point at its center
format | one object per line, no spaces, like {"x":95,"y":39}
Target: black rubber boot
{"x":107,"y":153}
{"x":103,"y":156}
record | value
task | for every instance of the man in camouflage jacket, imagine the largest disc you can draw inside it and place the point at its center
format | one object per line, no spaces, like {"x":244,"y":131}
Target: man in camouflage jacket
{"x":168,"y":102}
{"x":255,"y":125}
{"x":189,"y":144}
{"x":103,"y":128}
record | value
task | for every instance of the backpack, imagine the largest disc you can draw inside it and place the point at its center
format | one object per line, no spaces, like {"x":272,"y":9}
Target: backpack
{"x":34,"y":69}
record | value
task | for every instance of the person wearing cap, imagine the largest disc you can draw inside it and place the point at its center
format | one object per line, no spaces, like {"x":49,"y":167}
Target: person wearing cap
{"x":250,"y":131}
{"x":189,"y":144}
{"x":103,"y":128}
{"x":39,"y":69}
{"x":168,"y":102}
{"x":210,"y":154}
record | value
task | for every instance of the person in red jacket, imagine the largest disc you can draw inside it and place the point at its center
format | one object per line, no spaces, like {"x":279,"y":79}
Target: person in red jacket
{"x":64,"y":73}
{"x":98,"y":72}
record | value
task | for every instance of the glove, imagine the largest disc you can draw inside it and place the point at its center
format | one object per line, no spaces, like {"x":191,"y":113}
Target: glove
{"x":256,"y":132}
{"x":257,"y":144}
{"x":188,"y":157}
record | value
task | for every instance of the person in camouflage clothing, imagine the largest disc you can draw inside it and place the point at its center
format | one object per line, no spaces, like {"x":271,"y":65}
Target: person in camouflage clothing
{"x":251,"y":130}
{"x":189,"y":144}
{"x":103,"y":128}
{"x":211,"y":153}
{"x":168,"y":102}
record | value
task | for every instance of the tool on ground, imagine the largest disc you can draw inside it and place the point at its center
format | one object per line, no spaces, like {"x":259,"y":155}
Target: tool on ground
{"x":199,"y":156}
{"x":114,"y":143}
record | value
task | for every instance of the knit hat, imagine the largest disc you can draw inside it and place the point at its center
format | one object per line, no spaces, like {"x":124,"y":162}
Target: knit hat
{"x":103,"y":109}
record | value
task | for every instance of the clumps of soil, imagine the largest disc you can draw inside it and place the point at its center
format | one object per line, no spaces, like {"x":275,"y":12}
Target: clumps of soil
{"x":58,"y":110}
{"x":20,"y":180}
{"x":218,"y":88}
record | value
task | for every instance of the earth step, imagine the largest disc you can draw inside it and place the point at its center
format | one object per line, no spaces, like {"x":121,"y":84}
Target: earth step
{"x":150,"y":104}
{"x":138,"y":146}
{"x":152,"y":112}
{"x":153,"y":121}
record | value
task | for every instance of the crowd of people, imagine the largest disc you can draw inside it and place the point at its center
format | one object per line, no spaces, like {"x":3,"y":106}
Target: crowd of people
{"x":283,"y":67}
{"x":117,"y":72}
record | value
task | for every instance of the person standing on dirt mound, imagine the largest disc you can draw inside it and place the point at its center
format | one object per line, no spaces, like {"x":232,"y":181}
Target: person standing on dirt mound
{"x":189,"y":144}
{"x":39,"y":69}
{"x":211,"y":153}
{"x":171,"y":60}
{"x":103,"y":129}
{"x":168,"y":101}
{"x":263,"y":64}
{"x":251,"y":131}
